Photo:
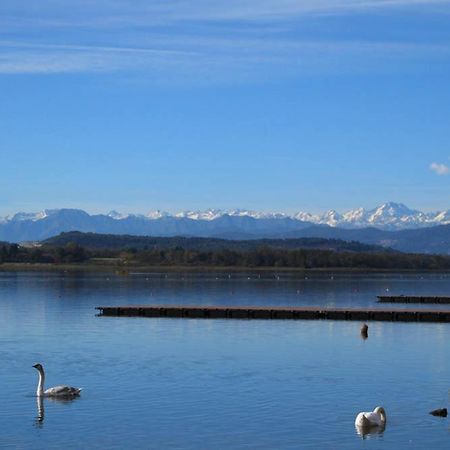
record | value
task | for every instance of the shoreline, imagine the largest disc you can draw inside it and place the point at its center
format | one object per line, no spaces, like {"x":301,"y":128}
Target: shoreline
{"x":125,"y":270}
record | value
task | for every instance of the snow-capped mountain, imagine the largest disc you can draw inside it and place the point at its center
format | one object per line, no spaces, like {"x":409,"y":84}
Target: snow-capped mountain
{"x":117,"y":215}
{"x":238,"y":223}
{"x":388,"y":216}
{"x":209,"y":214}
{"x":23,"y":216}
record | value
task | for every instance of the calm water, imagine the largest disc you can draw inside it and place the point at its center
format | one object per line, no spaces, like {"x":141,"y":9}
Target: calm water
{"x":217,"y":384}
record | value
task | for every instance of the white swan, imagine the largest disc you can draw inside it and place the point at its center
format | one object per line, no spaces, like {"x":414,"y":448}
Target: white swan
{"x":57,"y":391}
{"x":376,"y":418}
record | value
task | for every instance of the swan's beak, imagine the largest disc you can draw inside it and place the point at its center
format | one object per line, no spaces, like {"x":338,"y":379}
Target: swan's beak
{"x":35,"y":366}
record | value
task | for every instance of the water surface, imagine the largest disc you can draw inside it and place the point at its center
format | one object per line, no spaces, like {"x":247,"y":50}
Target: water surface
{"x":203,"y":384}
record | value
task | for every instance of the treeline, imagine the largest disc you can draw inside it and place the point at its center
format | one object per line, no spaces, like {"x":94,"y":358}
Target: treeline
{"x":257,"y":258}
{"x":300,"y":258}
{"x":70,"y":253}
{"x":118,"y":242}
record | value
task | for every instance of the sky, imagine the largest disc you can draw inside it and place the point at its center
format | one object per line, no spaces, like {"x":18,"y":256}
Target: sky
{"x":270,"y":105}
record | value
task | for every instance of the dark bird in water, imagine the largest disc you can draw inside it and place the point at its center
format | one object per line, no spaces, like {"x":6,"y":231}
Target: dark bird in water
{"x":364,"y":331}
{"x":441,"y":412}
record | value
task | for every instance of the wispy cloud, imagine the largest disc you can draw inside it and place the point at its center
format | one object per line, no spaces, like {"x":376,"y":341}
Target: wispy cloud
{"x":440,"y":169}
{"x":217,"y":57}
{"x":281,"y":9}
{"x":201,"y":39}
{"x":23,"y":57}
{"x":114,"y":13}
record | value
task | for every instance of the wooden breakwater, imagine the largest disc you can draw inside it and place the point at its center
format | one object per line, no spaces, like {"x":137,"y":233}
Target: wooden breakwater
{"x":413,"y":299}
{"x":269,"y":312}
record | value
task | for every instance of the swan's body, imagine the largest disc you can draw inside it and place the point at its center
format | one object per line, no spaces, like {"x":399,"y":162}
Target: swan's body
{"x":376,"y":418}
{"x":57,"y":391}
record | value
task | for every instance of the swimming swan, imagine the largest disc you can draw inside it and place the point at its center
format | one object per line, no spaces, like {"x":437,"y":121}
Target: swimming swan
{"x":57,"y":391}
{"x":377,"y":418}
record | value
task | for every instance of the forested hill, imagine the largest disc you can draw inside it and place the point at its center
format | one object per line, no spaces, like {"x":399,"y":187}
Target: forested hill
{"x":123,"y":252}
{"x":122,"y":242}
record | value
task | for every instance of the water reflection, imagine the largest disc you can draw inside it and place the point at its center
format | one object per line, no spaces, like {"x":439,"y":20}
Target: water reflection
{"x":39,"y":421}
{"x":371,"y":431}
{"x":364,"y":331}
{"x":40,"y":411}
{"x":255,"y":370}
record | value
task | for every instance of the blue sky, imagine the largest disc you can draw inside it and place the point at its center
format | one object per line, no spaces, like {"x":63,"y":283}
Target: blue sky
{"x":269,"y":105}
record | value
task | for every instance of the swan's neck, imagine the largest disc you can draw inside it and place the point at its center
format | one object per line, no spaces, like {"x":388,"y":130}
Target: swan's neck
{"x":381,"y":414}
{"x":40,"y":387}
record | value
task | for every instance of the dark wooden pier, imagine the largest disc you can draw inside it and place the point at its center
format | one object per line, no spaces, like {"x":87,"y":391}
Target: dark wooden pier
{"x":413,"y":299}
{"x":269,"y":312}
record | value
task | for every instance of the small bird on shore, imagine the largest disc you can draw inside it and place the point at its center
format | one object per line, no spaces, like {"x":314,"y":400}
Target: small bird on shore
{"x":57,"y":391}
{"x":364,"y":331}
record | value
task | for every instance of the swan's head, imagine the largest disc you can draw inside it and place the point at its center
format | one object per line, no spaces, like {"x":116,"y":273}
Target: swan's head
{"x":381,"y":412}
{"x":39,"y":367}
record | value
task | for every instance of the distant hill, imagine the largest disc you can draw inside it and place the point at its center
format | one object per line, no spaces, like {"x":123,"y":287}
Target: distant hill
{"x":124,"y":251}
{"x":117,"y":242}
{"x":423,"y":240}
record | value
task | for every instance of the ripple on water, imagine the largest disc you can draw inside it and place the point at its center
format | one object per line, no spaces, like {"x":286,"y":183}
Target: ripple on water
{"x":193,"y":384}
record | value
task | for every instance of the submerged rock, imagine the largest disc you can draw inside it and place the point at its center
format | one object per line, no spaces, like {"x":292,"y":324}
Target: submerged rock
{"x":441,"y":412}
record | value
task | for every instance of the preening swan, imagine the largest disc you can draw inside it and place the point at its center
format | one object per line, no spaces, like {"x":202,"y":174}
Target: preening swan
{"x":376,"y":418}
{"x":57,"y":391}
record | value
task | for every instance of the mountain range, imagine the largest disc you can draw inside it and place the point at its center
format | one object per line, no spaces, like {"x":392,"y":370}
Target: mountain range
{"x":388,"y":216}
{"x":391,"y":225}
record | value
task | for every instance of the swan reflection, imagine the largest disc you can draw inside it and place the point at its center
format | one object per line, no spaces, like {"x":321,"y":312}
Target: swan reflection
{"x":40,"y":410}
{"x":373,"y":431}
{"x":39,"y":421}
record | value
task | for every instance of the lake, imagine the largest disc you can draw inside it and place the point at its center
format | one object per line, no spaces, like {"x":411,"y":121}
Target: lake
{"x":218,"y":384}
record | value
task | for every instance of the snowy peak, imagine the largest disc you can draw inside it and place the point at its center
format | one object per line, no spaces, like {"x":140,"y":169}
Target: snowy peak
{"x":307,"y":217}
{"x":392,"y":216}
{"x":23,"y":216}
{"x":153,"y":215}
{"x":332,"y":218}
{"x":256,"y":214}
{"x":117,"y":215}
{"x":389,"y":211}
{"x":209,"y":214}
{"x":442,"y":217}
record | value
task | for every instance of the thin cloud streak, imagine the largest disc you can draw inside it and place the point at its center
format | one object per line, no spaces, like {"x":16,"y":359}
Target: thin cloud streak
{"x":283,"y":9}
{"x":236,"y":40}
{"x":116,"y":14}
{"x":202,"y":55}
